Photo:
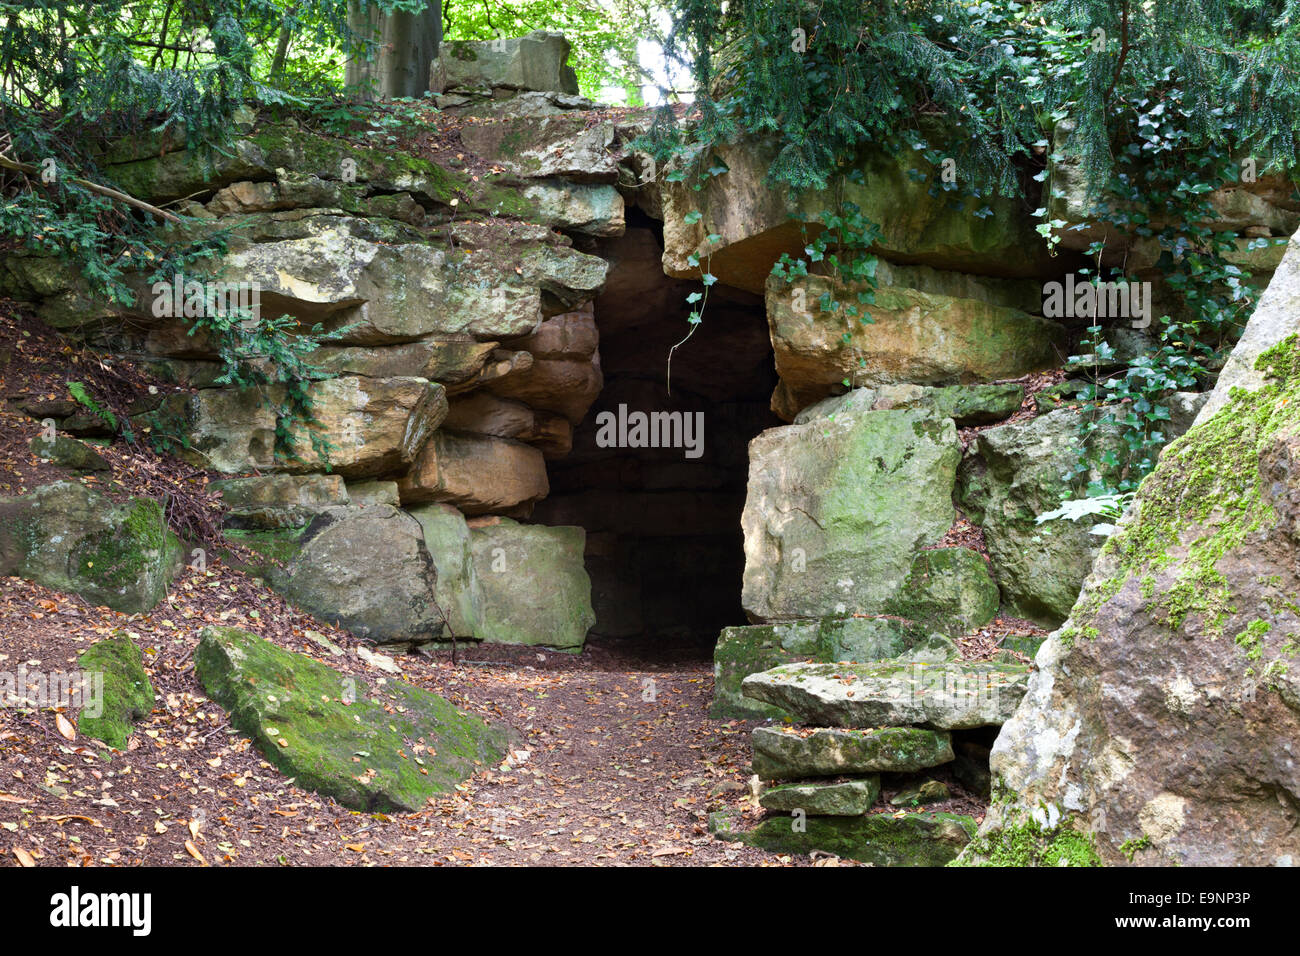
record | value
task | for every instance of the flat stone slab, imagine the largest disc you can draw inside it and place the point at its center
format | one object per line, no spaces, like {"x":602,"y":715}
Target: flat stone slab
{"x":851,"y":798}
{"x":387,"y":746}
{"x":742,"y":651}
{"x":947,"y":696}
{"x":787,"y":754}
{"x":883,"y":839}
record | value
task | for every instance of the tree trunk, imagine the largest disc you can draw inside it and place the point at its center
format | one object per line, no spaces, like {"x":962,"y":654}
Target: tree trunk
{"x":406,"y":46}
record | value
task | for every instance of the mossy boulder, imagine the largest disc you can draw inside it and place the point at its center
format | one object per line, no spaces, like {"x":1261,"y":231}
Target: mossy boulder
{"x":1011,"y":475}
{"x":382,"y":747}
{"x":1161,"y":723}
{"x":67,"y":537}
{"x":850,"y":798}
{"x":882,"y":839}
{"x":836,"y":509}
{"x":535,"y":585}
{"x":786,"y":753}
{"x":68,"y":453}
{"x":742,"y":651}
{"x":951,"y":696}
{"x":126,"y":696}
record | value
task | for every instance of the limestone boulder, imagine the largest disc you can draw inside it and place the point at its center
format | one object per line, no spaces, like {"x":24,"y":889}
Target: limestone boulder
{"x":459,"y":595}
{"x":386,"y":293}
{"x":915,"y":337}
{"x":1014,"y":474}
{"x":851,"y":798}
{"x":368,"y":570}
{"x":1160,"y":725}
{"x":742,"y":651}
{"x":535,"y":586}
{"x":592,"y":209}
{"x":964,"y":404}
{"x":877,"y":839}
{"x":278,"y":501}
{"x":536,"y":62}
{"x":757,"y":221}
{"x":950,"y":696}
{"x":68,"y":537}
{"x":836,"y":509}
{"x":376,"y":426}
{"x":478,"y":474}
{"x":564,"y":146}
{"x":447,"y":360}
{"x":787,"y":753}
{"x":948,"y":589}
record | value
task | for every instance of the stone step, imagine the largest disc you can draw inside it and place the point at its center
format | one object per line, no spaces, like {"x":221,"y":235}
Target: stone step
{"x":946,"y":696}
{"x":787,"y":754}
{"x":883,"y":839}
{"x":851,"y":798}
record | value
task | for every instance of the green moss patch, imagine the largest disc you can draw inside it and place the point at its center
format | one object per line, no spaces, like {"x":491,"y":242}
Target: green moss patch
{"x":378,"y":747}
{"x":127,"y":694}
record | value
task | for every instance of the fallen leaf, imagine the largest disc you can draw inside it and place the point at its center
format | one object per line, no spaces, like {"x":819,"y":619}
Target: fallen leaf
{"x":193,"y":851}
{"x":65,"y":727}
{"x":24,"y":858}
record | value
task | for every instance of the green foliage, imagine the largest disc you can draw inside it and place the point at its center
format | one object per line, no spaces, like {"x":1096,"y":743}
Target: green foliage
{"x":77,"y":81}
{"x":83,"y":397}
{"x":839,"y":249}
{"x":1165,"y":102}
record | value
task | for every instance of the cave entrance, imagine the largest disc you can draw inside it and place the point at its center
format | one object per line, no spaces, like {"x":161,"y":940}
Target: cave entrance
{"x":665,"y":550}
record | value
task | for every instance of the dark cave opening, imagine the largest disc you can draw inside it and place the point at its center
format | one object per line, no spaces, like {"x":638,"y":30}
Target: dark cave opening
{"x":664,"y":549}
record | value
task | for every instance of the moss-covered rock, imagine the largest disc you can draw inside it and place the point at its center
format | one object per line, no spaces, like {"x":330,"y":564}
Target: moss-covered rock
{"x":68,"y":453}
{"x":783,"y":753}
{"x":68,"y":537}
{"x":1012,"y":474}
{"x":127,"y":694}
{"x":535,"y":585}
{"x":882,"y":839}
{"x":378,"y":747}
{"x":948,"y":589}
{"x":1163,"y":715}
{"x":929,"y":791}
{"x":850,"y":798}
{"x":836,"y":508}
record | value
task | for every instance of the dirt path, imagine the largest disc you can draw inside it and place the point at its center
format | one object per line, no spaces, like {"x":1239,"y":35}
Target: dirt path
{"x":620,"y":765}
